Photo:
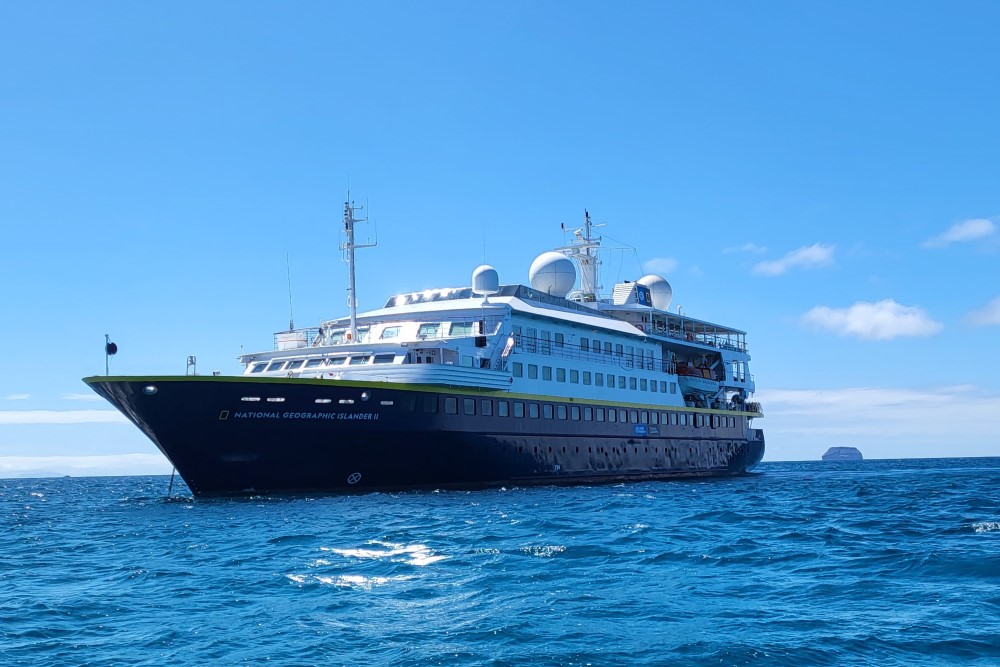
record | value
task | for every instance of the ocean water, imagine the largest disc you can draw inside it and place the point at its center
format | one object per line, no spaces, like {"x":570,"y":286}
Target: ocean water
{"x":878,"y":562}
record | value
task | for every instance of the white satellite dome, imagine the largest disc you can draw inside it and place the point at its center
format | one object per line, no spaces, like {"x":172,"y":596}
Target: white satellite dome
{"x":552,"y":273}
{"x":659,"y":290}
{"x":485,"y":280}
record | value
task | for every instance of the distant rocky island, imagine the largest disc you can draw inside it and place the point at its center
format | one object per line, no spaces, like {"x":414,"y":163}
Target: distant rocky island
{"x":843,"y":454}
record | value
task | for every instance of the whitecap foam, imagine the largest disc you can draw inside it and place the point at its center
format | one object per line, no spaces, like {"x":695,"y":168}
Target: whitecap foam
{"x":986,"y":526}
{"x":413,"y":554}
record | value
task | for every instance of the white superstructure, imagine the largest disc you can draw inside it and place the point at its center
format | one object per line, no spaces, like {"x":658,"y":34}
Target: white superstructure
{"x":557,"y":337}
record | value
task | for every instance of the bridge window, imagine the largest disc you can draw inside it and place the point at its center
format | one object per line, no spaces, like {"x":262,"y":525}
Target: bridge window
{"x":275,"y":366}
{"x":360,"y":359}
{"x":313,"y":363}
{"x":390,"y":332}
{"x":258,"y":368}
{"x":336,"y":361}
{"x":429,"y":330}
{"x":384,"y":358}
{"x":461,"y":328}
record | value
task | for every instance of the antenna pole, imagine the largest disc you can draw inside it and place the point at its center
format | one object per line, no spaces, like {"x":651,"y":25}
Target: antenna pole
{"x":350,"y":209}
{"x":291,"y":320}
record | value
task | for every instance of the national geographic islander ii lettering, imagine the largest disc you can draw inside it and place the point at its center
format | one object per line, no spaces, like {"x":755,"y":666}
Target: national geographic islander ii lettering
{"x":467,"y":387}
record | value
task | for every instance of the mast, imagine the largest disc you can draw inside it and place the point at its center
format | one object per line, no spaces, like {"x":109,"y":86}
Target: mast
{"x":584,"y":249}
{"x":350,"y":209}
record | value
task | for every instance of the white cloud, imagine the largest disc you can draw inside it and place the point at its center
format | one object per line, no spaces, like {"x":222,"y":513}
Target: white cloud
{"x":17,"y":397}
{"x":105,"y":464}
{"x":810,"y":257}
{"x":882,"y":320}
{"x":960,"y":232}
{"x":746,"y":247}
{"x":661,"y":265}
{"x":80,"y":397}
{"x":60,"y":416}
{"x":881,"y":422}
{"x":986,"y":316}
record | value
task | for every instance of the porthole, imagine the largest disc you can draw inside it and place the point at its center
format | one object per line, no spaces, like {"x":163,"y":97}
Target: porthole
{"x":149,"y":389}
{"x":365,"y":395}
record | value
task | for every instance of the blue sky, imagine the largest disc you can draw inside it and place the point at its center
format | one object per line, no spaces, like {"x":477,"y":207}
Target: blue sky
{"x":824,"y":176}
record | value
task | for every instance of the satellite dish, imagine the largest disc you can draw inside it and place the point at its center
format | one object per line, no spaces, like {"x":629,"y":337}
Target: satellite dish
{"x":659,"y":290}
{"x":552,"y":273}
{"x":485,"y":280}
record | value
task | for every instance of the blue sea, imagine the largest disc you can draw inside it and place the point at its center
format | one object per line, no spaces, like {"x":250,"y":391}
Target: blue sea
{"x":869,"y":563}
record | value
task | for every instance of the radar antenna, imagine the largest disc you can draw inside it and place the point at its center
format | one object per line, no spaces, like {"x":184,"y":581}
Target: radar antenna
{"x":350,"y":212}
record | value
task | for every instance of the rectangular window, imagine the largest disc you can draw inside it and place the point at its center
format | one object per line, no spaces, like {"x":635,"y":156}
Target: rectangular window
{"x":359,"y":360}
{"x":599,"y":414}
{"x":559,"y":339}
{"x":599,"y":379}
{"x":429,"y":330}
{"x":518,"y":369}
{"x":586,"y":377}
{"x":574,"y":412}
{"x":643,"y":384}
{"x":652,"y":386}
{"x":430,"y":404}
{"x":596,"y":347}
{"x":619,"y":349}
{"x":612,"y":415}
{"x":487,"y":407}
{"x":560,"y":375}
{"x":699,"y":420}
{"x":673,"y":387}
{"x":547,"y":410}
{"x":683,"y":418}
{"x":518,"y":409}
{"x":469,"y":406}
{"x":461,"y":328}
{"x":390,"y":332}
{"x":312,"y":363}
{"x":623,"y":415}
{"x":363,"y":335}
{"x":503,"y":409}
{"x":611,"y":381}
{"x":588,"y":414}
{"x":408,"y":403}
{"x":584,"y":344}
{"x":275,"y":365}
{"x":517,"y":336}
{"x":384,"y":358}
{"x":292,"y":365}
{"x":450,"y":405}
{"x":644,"y":417}
{"x":546,"y":342}
{"x":654,"y":418}
{"x":531,"y":340}
{"x":574,"y":377}
{"x":607,"y":347}
{"x":336,"y":361}
{"x":560,"y":412}
{"x":546,"y":372}
{"x":621,"y":381}
{"x":533,"y":410}
{"x":532,"y":372}
{"x":632,"y":384}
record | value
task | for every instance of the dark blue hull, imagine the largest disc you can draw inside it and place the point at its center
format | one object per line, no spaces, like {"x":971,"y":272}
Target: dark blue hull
{"x":234,"y":435}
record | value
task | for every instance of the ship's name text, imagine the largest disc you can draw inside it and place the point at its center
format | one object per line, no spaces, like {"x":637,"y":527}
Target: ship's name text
{"x":353,"y":416}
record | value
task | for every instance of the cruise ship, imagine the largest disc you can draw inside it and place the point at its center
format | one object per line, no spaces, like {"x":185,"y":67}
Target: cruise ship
{"x":476,"y":386}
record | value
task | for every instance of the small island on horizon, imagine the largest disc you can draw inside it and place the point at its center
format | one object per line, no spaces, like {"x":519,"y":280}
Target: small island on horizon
{"x":843,"y":454}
